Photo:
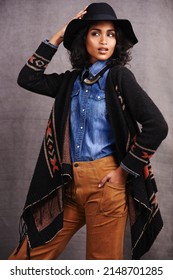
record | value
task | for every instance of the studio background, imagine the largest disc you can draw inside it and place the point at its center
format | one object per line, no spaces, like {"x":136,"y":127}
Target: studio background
{"x":23,"y":115}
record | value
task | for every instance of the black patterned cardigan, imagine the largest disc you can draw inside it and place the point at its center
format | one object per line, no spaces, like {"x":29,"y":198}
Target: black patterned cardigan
{"x":127,"y":104}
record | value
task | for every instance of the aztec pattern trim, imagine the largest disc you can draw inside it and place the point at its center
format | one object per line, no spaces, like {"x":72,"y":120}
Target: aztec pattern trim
{"x":51,"y":150}
{"x":148,"y":172}
{"x":141,"y":153}
{"x":37,"y":62}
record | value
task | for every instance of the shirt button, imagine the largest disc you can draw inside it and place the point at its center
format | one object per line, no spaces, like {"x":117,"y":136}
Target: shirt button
{"x":78,"y":146}
{"x":86,"y":90}
{"x":98,"y":97}
{"x":81,"y":127}
{"x":76,"y":165}
{"x":83,"y":110}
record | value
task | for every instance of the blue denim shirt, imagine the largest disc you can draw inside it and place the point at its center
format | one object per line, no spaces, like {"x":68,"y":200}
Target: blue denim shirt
{"x":91,"y":135}
{"x":83,"y":150}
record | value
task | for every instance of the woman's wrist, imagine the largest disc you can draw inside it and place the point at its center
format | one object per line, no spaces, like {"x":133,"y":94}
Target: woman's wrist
{"x":123,"y":172}
{"x":56,"y":39}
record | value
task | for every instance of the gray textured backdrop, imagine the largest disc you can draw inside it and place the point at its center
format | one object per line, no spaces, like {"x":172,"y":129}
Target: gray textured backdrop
{"x":23,"y":115}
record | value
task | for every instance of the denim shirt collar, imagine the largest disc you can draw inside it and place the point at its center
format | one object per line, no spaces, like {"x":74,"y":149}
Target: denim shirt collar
{"x":95,"y":69}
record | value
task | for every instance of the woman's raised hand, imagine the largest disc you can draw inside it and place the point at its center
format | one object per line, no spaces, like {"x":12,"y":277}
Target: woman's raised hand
{"x":57,"y":38}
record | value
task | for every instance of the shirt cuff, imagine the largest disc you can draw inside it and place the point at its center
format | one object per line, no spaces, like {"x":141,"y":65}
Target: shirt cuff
{"x":50,"y":44}
{"x":129,"y":170}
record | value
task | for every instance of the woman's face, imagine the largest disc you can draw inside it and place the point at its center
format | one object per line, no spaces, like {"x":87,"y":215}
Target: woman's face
{"x":101,"y":40}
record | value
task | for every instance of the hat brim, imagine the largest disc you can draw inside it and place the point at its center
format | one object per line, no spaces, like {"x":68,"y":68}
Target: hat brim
{"x":78,"y":24}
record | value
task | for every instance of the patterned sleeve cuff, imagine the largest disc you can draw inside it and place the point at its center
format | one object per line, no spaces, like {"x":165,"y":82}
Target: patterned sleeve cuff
{"x":37,"y":62}
{"x":41,"y":58}
{"x":129,"y":170}
{"x":137,"y":158}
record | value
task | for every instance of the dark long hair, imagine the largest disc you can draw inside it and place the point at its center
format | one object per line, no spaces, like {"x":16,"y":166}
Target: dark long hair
{"x":80,"y":58}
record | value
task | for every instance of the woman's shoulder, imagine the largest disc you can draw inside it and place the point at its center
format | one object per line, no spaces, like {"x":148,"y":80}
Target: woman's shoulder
{"x":121,"y":70}
{"x":121,"y":74}
{"x":71,"y":73}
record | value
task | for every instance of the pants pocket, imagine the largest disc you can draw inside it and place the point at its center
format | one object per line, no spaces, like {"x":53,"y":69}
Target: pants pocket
{"x":113,"y":200}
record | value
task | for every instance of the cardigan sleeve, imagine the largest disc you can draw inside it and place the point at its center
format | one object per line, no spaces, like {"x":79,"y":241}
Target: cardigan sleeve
{"x":153,"y":130}
{"x":32,"y":76}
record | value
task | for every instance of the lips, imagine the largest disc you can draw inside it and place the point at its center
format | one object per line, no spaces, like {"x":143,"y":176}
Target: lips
{"x":103,"y":50}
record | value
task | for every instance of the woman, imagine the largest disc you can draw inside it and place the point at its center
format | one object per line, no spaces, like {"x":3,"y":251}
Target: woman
{"x":93,"y":166}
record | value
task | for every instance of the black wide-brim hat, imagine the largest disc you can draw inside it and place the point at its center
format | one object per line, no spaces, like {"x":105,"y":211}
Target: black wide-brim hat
{"x":98,"y":12}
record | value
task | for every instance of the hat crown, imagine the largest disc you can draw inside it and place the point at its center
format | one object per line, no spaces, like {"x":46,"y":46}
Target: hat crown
{"x":99,"y":11}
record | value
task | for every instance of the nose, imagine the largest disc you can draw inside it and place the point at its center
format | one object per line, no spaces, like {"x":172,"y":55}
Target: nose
{"x":103,"y":40}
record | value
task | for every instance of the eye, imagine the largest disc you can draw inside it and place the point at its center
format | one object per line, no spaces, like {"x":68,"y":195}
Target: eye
{"x":95,"y":33}
{"x":111,"y":34}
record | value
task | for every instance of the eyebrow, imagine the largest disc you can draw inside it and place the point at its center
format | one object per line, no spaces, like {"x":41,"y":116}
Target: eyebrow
{"x":98,"y":29}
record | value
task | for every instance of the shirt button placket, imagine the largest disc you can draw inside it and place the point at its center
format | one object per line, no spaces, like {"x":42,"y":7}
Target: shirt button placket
{"x":82,"y":120}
